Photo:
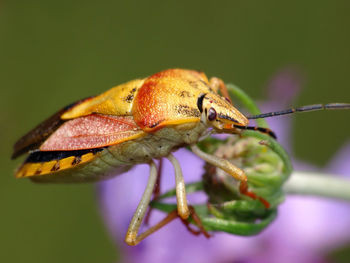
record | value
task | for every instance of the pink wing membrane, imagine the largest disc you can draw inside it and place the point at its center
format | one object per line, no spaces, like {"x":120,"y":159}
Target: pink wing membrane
{"x":92,"y":131}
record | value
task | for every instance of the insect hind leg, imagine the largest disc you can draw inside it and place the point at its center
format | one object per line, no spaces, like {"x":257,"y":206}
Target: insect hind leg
{"x":132,"y":237}
{"x":156,"y":190}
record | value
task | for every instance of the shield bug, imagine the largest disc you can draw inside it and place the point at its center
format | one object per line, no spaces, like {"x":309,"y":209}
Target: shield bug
{"x":136,"y":122}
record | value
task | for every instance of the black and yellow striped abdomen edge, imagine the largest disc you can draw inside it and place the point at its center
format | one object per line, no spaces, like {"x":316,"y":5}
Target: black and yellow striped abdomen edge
{"x":43,"y":163}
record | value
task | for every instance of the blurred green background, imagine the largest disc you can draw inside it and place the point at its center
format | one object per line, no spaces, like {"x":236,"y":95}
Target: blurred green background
{"x":55,"y":52}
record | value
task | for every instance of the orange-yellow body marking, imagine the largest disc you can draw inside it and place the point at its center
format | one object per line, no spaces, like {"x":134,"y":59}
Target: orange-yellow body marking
{"x":42,"y":168}
{"x":116,"y":101}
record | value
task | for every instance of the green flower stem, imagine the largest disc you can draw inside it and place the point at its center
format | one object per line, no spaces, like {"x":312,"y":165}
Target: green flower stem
{"x":317,"y":184}
{"x":299,"y":183}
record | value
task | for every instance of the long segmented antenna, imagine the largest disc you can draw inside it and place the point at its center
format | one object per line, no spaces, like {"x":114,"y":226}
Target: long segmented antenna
{"x":315,"y":107}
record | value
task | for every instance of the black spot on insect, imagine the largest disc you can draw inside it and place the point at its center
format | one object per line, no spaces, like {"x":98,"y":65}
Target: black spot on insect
{"x":212,"y":114}
{"x":155,"y":124}
{"x":185,"y":94}
{"x":24,"y":172}
{"x":37,"y":172}
{"x":193,"y":84}
{"x":55,"y":167}
{"x":76,"y":160}
{"x":129,"y":98}
{"x":187,"y":111}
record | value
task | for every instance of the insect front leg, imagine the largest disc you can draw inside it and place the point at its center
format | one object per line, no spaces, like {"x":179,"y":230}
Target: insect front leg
{"x":231,"y":170}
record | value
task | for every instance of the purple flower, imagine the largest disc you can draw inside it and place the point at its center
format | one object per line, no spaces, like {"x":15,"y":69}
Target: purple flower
{"x":306,"y":228}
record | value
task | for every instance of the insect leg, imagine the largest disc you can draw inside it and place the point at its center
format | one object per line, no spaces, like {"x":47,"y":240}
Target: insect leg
{"x":156,"y":190}
{"x":182,"y":207}
{"x":218,"y":84}
{"x":232,"y":170}
{"x":131,"y":237}
{"x":197,"y":220}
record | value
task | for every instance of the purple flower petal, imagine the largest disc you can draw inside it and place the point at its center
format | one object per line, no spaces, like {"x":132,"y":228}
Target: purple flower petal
{"x":285,"y":86}
{"x":340,"y":164}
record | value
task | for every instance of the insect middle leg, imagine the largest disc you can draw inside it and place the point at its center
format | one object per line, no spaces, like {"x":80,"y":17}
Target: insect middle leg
{"x":231,"y":170}
{"x":182,"y":207}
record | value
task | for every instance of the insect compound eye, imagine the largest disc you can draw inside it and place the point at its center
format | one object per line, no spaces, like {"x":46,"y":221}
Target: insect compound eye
{"x":212,"y":114}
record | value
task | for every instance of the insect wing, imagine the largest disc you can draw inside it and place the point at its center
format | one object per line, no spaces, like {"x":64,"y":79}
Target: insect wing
{"x":78,"y":141}
{"x":34,"y":138}
{"x":92,"y":131}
